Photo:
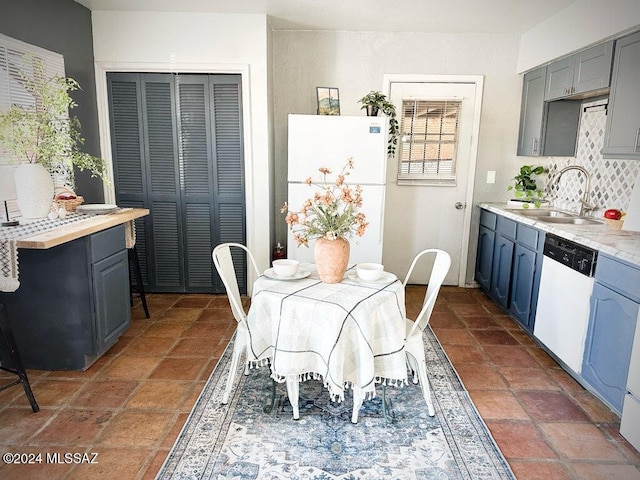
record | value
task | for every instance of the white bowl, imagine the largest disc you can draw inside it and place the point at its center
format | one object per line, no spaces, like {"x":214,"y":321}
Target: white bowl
{"x":286,"y":267}
{"x":369,"y":272}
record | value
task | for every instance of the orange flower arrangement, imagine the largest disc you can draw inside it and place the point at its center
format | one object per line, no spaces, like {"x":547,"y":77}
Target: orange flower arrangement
{"x":332,"y":212}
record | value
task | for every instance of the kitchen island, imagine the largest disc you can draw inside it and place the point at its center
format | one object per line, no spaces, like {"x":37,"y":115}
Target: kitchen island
{"x":73,"y":300}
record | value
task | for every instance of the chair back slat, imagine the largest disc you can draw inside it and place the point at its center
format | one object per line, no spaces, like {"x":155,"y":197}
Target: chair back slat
{"x":441,"y":265}
{"x":223,"y":261}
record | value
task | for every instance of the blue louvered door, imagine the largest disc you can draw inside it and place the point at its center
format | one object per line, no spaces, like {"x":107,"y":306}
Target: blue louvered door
{"x":177,"y":148}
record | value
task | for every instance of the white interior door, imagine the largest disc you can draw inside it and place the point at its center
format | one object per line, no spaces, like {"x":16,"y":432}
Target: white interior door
{"x":420,"y":216}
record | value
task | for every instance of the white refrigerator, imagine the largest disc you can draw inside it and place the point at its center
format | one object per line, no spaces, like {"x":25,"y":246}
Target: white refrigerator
{"x":328,"y":141}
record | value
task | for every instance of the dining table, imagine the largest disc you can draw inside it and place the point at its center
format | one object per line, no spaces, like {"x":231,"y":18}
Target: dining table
{"x":349,"y":334}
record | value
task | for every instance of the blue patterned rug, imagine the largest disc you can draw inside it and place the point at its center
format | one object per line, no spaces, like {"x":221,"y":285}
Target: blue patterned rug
{"x":241,"y":441}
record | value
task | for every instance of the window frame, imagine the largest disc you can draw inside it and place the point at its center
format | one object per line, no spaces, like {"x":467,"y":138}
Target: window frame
{"x":407,"y":178}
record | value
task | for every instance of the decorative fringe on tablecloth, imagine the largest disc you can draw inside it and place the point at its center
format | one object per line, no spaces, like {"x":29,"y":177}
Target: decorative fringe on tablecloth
{"x":263,"y":362}
{"x":336,"y":396}
{"x":8,"y":266}
{"x":391,"y":382}
{"x":130,"y":234}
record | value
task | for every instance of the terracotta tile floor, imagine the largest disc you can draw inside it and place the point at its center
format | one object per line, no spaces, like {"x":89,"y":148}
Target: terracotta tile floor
{"x":129,"y":406}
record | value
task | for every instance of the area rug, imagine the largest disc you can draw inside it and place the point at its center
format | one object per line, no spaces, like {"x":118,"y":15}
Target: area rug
{"x":241,"y":440}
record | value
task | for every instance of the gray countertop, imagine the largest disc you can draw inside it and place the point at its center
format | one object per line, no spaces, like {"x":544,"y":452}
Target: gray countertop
{"x":604,"y":238}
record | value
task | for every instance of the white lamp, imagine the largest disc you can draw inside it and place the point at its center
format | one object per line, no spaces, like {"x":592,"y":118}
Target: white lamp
{"x":7,"y":192}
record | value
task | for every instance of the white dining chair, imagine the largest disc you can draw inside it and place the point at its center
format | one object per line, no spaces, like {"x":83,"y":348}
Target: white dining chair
{"x":223,"y":261}
{"x":414,"y":346}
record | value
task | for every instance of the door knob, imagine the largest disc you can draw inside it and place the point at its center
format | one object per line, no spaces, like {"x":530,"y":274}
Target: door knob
{"x":459,"y":205}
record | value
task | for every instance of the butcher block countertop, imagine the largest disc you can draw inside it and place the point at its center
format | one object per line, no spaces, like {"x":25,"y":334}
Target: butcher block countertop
{"x":92,"y":224}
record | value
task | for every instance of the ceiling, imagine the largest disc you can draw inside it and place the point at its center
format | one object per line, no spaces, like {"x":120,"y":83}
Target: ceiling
{"x":451,"y":16}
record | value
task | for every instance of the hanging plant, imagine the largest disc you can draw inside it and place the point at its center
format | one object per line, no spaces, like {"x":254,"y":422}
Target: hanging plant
{"x":375,"y":102}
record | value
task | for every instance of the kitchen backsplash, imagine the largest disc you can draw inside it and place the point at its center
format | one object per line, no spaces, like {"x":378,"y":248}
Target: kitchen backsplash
{"x":611,"y":179}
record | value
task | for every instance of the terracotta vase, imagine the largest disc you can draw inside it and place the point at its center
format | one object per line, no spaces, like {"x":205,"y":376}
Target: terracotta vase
{"x":331,"y":257}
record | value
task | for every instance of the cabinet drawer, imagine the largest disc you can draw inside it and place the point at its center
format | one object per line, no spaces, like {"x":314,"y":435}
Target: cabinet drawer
{"x":488,"y":219}
{"x":507,"y":227}
{"x":622,"y":277}
{"x":527,"y":236}
{"x":107,"y":242}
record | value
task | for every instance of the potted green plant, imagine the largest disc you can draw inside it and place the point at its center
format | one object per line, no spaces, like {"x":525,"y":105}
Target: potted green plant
{"x":375,"y":102}
{"x":44,"y":137}
{"x":525,"y":187}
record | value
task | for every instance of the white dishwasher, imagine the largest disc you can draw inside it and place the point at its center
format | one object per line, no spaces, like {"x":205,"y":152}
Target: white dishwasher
{"x":566,"y":282}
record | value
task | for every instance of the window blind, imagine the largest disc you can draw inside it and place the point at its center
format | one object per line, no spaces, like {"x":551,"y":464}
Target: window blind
{"x":14,"y":57}
{"x":429,"y":140}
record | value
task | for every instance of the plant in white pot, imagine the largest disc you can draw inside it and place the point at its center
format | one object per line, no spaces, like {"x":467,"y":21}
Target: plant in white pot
{"x":43,"y":138}
{"x":525,"y":187}
{"x":375,"y":102}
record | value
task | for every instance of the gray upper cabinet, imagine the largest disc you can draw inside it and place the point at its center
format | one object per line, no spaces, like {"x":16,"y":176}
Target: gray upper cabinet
{"x":532,"y":113}
{"x":585,"y":71}
{"x":560,"y":78}
{"x":622,"y":133}
{"x":546,"y":128}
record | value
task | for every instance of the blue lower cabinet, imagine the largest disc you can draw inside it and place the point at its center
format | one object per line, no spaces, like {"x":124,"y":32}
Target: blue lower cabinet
{"x":484,"y":258}
{"x":522,"y":282}
{"x":501,"y":270}
{"x":508,"y":264}
{"x":608,"y":345}
{"x":110,"y":293}
{"x":73,"y":302}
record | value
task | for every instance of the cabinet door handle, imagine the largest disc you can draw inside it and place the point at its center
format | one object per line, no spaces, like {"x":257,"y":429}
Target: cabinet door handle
{"x":636,"y":148}
{"x":534,"y":148}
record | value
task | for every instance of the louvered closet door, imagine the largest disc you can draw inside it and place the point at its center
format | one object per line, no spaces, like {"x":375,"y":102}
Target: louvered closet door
{"x":181,"y":164}
{"x":229,"y":167}
{"x":129,"y":160}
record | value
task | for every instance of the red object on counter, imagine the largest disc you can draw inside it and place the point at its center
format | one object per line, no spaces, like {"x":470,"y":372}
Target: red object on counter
{"x":613,"y":214}
{"x":279,"y":252}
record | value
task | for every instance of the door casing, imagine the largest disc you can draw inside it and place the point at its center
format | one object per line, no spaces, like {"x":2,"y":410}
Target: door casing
{"x":478,"y":80}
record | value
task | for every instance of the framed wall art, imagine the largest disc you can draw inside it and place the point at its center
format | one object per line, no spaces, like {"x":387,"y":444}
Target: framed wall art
{"x":328,"y":101}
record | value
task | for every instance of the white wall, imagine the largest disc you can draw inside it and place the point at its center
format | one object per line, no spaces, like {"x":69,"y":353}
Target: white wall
{"x":198,"y":42}
{"x":355,"y":62}
{"x":581,"y":24}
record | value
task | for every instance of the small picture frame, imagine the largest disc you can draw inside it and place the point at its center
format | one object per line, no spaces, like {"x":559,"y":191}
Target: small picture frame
{"x":328,"y":101}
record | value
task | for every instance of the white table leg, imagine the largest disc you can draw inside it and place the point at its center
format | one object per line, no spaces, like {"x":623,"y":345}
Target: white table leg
{"x":293,"y":389}
{"x":358,"y":399}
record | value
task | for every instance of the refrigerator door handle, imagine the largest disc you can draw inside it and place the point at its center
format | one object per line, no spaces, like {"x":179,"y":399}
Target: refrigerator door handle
{"x":381,"y":220}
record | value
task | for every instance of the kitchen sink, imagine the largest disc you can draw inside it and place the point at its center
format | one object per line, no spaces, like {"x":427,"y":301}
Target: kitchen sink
{"x":541,"y":212}
{"x":570,"y":220}
{"x":549,"y":215}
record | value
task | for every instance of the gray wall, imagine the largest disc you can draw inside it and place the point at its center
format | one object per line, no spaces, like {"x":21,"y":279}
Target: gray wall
{"x":356,"y":63}
{"x":63,"y":26}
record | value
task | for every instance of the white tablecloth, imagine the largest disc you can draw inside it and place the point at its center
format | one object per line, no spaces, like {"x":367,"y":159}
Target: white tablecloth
{"x":347,"y":334}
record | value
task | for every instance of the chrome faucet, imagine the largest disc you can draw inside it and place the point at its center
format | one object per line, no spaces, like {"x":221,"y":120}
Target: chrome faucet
{"x":584,"y":202}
